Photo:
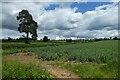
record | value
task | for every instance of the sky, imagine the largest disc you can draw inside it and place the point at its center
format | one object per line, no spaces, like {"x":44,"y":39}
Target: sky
{"x":61,"y":20}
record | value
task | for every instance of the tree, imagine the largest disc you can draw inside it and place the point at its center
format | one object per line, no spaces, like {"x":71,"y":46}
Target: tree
{"x":110,"y":38}
{"x":115,"y":38}
{"x":9,"y":38}
{"x":68,"y":40}
{"x":27,"y":24}
{"x":45,"y":39}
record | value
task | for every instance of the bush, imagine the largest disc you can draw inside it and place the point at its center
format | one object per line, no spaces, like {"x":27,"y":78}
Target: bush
{"x":115,"y":38}
{"x":45,"y":39}
{"x":68,"y":40}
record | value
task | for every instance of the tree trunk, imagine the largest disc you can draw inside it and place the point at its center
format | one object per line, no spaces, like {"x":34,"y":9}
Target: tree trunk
{"x":27,"y":41}
{"x":27,"y":36}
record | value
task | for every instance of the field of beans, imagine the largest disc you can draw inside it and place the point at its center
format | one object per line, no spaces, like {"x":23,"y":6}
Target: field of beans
{"x":100,"y":52}
{"x":97,"y":59}
{"x":16,"y":47}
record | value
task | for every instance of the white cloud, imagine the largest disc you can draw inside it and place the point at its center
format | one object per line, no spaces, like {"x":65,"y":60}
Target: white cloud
{"x":63,"y":22}
{"x":100,"y":18}
{"x":60,"y":0}
{"x":114,"y":0}
{"x":0,"y":18}
{"x":58,"y":19}
{"x":90,"y":24}
{"x":10,"y":33}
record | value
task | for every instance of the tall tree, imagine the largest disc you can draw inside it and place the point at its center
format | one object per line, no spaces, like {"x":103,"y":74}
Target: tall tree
{"x":27,"y":24}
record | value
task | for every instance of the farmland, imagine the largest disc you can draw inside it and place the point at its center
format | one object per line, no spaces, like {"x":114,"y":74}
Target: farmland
{"x":87,"y":60}
{"x":17,"y":70}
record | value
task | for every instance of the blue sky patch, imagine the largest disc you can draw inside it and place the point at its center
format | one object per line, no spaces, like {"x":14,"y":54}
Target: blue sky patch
{"x":88,"y":6}
{"x":51,"y":7}
{"x":82,"y":6}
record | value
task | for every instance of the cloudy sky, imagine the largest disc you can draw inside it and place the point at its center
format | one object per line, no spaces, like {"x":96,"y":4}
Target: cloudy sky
{"x":60,"y":20}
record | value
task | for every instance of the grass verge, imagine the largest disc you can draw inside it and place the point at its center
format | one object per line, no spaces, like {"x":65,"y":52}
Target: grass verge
{"x":17,"y":70}
{"x":91,"y":70}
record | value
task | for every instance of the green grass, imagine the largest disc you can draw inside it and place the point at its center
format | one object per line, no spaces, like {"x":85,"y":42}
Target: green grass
{"x":103,"y":52}
{"x":9,"y":45}
{"x":91,"y":70}
{"x":100,"y":52}
{"x":17,"y":70}
{"x":15,"y":47}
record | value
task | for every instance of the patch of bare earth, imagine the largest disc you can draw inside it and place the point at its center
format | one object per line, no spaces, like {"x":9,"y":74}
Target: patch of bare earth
{"x":32,"y":58}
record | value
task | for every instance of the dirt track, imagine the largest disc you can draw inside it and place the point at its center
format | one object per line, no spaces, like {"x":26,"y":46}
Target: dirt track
{"x":57,"y":71}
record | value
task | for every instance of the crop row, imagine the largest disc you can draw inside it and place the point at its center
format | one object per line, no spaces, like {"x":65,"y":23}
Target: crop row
{"x":9,"y":45}
{"x":100,"y":52}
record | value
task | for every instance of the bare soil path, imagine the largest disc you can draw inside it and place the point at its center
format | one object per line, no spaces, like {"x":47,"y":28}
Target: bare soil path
{"x":56,"y":71}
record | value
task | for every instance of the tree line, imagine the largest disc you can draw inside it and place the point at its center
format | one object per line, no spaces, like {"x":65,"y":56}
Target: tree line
{"x":46,"y":39}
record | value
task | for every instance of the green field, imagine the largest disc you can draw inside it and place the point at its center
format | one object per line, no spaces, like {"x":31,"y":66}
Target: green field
{"x":17,"y":70}
{"x":15,"y":47}
{"x":100,"y":52}
{"x":91,"y":70}
{"x":91,"y":60}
